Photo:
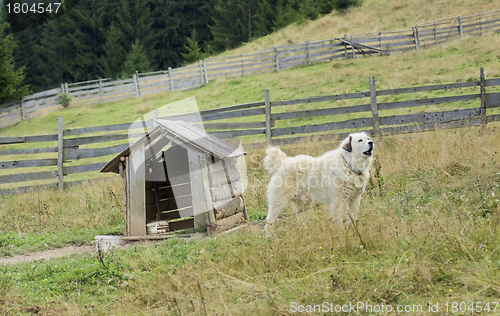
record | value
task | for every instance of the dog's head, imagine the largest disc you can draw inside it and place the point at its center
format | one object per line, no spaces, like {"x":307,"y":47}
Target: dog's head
{"x":359,"y":145}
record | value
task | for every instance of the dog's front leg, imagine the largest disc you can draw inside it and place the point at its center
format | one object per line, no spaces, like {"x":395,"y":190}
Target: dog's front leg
{"x":354,"y":207}
{"x":336,"y":208}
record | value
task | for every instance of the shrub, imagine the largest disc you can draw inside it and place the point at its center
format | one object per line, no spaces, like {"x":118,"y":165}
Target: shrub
{"x":64,"y":100}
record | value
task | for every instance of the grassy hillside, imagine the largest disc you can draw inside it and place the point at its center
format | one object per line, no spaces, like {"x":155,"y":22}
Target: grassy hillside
{"x":430,"y":225}
{"x":429,"y":221}
{"x":455,"y":61}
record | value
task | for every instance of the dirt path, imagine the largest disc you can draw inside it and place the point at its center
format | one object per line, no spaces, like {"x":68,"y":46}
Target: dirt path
{"x":47,"y":254}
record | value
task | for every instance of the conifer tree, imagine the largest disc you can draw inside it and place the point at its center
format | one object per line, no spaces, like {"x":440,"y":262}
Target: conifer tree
{"x":193,"y":50}
{"x":136,"y":60}
{"x":11,"y":80}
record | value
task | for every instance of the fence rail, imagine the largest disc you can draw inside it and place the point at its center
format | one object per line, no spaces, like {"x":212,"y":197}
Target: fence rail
{"x":280,"y":122}
{"x":283,"y":57}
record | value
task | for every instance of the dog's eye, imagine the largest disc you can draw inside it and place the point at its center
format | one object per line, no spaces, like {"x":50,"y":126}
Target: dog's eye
{"x":359,"y":141}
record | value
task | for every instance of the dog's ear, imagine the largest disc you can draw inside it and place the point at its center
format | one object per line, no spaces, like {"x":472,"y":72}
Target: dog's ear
{"x":347,"y":146}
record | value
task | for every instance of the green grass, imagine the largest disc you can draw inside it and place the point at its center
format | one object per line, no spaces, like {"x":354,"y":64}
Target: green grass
{"x":429,"y":222}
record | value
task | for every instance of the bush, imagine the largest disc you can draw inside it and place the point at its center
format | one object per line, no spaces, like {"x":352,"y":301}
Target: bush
{"x":64,"y":100}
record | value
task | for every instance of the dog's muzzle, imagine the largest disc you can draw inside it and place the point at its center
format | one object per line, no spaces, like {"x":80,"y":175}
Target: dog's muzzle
{"x":369,"y":152}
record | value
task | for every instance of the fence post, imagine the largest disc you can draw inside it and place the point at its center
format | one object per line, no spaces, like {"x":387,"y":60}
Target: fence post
{"x":276,"y":59}
{"x":100,"y":89}
{"x":202,"y":81}
{"x":307,"y":44}
{"x":62,"y":87}
{"x":66,"y":88}
{"x":155,"y":117}
{"x":345,"y":46}
{"x":415,"y":36}
{"x":60,"y":153}
{"x":170,"y":78}
{"x":205,"y":69}
{"x":137,"y":80}
{"x":460,"y":26}
{"x":134,"y":78}
{"x":352,"y":44}
{"x":484,"y":118}
{"x":480,"y":27}
{"x":374,"y":108}
{"x":22,"y":109}
{"x":435,"y":34}
{"x":268,"y":117}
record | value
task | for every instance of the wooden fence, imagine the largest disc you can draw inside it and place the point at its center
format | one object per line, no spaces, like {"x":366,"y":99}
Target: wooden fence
{"x":75,"y":151}
{"x":282,"y":57}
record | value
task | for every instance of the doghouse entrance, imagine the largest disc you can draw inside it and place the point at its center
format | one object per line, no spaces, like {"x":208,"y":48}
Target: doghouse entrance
{"x":168,"y":189}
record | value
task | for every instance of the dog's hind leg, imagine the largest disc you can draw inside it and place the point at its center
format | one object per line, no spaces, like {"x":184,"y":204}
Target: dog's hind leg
{"x":300,"y":213}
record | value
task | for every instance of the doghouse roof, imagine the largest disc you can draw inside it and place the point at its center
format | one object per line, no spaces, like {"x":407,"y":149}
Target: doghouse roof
{"x":182,"y":133}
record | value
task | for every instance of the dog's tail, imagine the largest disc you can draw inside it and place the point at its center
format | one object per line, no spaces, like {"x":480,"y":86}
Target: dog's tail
{"x":274,"y":159}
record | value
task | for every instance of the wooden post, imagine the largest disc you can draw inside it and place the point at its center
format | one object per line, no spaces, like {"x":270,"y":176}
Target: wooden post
{"x":60,"y":153}
{"x":22,"y":109}
{"x":435,"y":34}
{"x":200,"y":191}
{"x":268,"y":118}
{"x":242,"y":66}
{"x":380,"y":41}
{"x":155,"y":117}
{"x":480,"y":27}
{"x":134,"y":78}
{"x":352,"y":44}
{"x":484,"y":118}
{"x":460,"y":26}
{"x":170,"y":78}
{"x":100,"y":89}
{"x":137,"y":190}
{"x":276,"y":59}
{"x":307,"y":47}
{"x":138,"y":85}
{"x":415,"y":36}
{"x":202,"y":81}
{"x":205,"y":69}
{"x":66,"y":88}
{"x":345,"y":46}
{"x":374,"y":108}
{"x":62,"y":87}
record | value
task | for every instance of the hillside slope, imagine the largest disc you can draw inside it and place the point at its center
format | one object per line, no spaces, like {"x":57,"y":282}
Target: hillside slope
{"x":454,"y":61}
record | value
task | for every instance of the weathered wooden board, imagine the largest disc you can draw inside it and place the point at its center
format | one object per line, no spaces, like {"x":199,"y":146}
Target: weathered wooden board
{"x":429,"y":88}
{"x":430,"y":117}
{"x":226,"y":191}
{"x":228,"y":207}
{"x":26,"y":151}
{"x":325,"y":98}
{"x":492,"y":100}
{"x":420,"y":102}
{"x":84,"y":168}
{"x":70,"y":153}
{"x":354,"y":123}
{"x":27,"y":163}
{"x":320,"y":112}
{"x":182,"y":224}
{"x":232,"y":174}
{"x":230,"y":222}
{"x":137,"y":192}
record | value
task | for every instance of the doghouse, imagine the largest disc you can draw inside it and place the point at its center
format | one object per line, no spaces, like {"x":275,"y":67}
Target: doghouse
{"x":177,"y":177}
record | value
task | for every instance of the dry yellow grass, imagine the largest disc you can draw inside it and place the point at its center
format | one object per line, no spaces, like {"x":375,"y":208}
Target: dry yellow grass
{"x":371,"y":16}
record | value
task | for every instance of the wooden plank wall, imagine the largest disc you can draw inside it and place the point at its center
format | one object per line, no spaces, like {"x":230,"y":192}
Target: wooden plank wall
{"x":32,"y":160}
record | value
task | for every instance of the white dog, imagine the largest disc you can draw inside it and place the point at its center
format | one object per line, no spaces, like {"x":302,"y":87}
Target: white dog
{"x":337,"y":177}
